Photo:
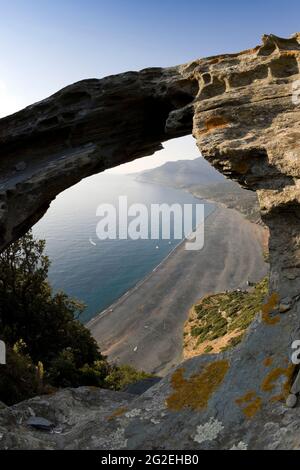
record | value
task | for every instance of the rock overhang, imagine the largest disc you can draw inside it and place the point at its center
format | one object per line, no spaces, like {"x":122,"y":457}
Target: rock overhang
{"x":243,"y":110}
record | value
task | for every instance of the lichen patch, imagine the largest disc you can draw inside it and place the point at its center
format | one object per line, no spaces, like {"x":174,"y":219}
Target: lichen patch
{"x":267,"y":309}
{"x":271,"y":380}
{"x":268,"y":361}
{"x":240,"y":446}
{"x":252,"y":403}
{"x":196,"y":391}
{"x":133,"y":413}
{"x":218,"y":122}
{"x":208,"y":431}
{"x":117,"y":413}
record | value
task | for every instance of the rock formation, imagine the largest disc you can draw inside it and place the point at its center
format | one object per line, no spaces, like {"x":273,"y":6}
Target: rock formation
{"x":243,"y":110}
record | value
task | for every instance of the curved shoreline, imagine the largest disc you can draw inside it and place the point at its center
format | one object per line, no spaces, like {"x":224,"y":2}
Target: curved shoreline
{"x":130,"y":291}
{"x":144,"y":328}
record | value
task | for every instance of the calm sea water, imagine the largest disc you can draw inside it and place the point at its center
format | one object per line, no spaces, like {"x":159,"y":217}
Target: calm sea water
{"x":99,"y":272}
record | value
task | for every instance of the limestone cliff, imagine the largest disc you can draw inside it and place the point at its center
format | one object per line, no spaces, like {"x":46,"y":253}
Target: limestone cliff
{"x":243,"y":110}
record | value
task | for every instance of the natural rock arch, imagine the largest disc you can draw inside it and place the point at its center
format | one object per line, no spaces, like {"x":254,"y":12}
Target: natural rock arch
{"x":244,"y":114}
{"x":241,"y":111}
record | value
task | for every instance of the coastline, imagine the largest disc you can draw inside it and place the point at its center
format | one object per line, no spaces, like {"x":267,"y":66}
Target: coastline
{"x":144,"y":327}
{"x":130,"y":291}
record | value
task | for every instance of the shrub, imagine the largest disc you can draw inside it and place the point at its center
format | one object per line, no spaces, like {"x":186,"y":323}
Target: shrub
{"x":120,"y":376}
{"x":56,"y":350}
{"x":18,"y":378}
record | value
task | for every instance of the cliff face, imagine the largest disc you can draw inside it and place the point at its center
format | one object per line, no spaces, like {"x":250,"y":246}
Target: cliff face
{"x":243,"y":111}
{"x":246,"y":124}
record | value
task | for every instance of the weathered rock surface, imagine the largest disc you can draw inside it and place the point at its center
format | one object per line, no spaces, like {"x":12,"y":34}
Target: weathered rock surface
{"x":81,"y":130}
{"x":246,"y":122}
{"x":81,"y":417}
{"x":223,"y":401}
{"x":244,"y":112}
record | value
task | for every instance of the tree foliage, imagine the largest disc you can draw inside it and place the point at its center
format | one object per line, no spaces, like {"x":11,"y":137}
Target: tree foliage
{"x":31,"y":312}
{"x":42,"y":330}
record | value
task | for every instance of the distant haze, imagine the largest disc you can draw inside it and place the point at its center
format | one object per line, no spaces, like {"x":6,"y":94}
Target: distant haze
{"x":184,"y":173}
{"x":174,"y":150}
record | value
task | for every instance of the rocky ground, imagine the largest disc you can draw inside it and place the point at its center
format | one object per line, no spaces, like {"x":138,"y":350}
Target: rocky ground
{"x":208,"y":402}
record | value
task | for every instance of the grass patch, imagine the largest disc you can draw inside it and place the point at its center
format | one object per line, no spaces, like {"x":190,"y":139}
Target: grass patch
{"x":218,"y":315}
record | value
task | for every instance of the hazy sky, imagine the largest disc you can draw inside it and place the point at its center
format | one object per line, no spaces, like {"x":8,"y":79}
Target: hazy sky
{"x":47,"y":44}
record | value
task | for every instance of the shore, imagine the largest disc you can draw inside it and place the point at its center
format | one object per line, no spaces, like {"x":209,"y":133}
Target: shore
{"x":144,"y":328}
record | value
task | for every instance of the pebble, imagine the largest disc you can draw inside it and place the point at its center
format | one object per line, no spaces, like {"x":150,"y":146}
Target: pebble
{"x":40,"y":423}
{"x":291,"y":401}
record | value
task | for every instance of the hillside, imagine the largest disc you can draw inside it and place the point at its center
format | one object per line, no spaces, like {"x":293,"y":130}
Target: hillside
{"x":203,"y":181}
{"x":183,"y":173}
{"x":219,"y":321}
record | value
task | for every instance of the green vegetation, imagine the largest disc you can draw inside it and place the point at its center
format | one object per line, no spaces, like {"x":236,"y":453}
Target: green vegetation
{"x":18,"y":379}
{"x":119,"y":377}
{"x":233,"y":342}
{"x":223,"y":314}
{"x":266,"y":256}
{"x":47,"y":346}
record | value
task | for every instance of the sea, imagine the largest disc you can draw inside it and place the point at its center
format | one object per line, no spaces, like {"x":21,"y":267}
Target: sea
{"x":98,"y":272}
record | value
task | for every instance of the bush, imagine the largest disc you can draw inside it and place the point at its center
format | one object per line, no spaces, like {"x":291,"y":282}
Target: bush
{"x":121,"y":376}
{"x":95,"y":374}
{"x":63,"y":371}
{"x":30,"y":311}
{"x":56,"y":350}
{"x":19,"y":378}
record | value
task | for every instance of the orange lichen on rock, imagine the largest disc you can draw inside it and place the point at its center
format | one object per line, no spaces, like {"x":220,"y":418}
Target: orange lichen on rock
{"x":253,"y":407}
{"x":267,"y":309}
{"x":246,"y":398}
{"x":269,"y":383}
{"x":268,"y":361}
{"x":218,"y":122}
{"x":196,"y":391}
{"x":252,"y":401}
{"x":118,"y":412}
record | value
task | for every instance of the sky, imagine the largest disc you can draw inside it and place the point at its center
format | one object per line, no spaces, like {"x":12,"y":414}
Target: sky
{"x":48,"y":44}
